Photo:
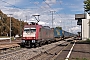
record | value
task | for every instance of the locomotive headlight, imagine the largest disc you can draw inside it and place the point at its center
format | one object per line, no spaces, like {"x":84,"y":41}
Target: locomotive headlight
{"x":23,"y":41}
{"x":33,"y":41}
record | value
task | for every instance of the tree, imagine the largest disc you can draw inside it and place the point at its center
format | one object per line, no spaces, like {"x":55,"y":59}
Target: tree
{"x":87,"y":5}
{"x":16,"y":25}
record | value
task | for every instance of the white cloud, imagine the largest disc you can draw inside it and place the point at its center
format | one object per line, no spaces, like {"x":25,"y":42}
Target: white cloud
{"x":13,"y":2}
{"x":42,"y":23}
{"x":75,"y":29}
{"x":44,"y":19}
{"x":50,"y":1}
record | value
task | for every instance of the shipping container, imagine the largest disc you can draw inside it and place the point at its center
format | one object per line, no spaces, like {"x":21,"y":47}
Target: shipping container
{"x":57,"y":33}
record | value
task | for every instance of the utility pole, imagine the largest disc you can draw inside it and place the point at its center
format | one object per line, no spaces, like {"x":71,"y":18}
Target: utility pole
{"x":20,"y":28}
{"x":71,"y":26}
{"x":26,"y":18}
{"x":52,"y":17}
{"x":10,"y":26}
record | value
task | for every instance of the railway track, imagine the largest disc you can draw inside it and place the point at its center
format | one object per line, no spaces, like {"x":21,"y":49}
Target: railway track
{"x":4,"y":42}
{"x":6,"y":45}
{"x":9,"y":55}
{"x":25,"y":54}
{"x":60,"y":50}
{"x":49,"y":51}
{"x":82,"y":49}
{"x":8,"y":48}
{"x":52,"y":53}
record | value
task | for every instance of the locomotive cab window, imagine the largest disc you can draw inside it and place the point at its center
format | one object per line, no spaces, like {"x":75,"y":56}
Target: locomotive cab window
{"x":32,"y":30}
{"x":29,"y":30}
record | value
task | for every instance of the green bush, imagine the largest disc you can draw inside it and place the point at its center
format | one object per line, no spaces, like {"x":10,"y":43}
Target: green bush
{"x":12,"y":38}
{"x":88,"y":40}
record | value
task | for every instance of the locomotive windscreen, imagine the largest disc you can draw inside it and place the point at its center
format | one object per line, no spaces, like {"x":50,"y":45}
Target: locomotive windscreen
{"x":29,"y":32}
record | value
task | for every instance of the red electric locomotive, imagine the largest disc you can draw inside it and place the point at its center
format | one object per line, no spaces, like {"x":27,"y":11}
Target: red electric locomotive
{"x":36,"y":35}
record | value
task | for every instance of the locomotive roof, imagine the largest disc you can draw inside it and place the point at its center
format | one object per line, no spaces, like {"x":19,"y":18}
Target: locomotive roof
{"x":46,"y":27}
{"x":40,"y":26}
{"x":32,"y":26}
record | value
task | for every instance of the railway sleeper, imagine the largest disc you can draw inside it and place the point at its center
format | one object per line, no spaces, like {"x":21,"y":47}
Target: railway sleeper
{"x":3,"y":49}
{"x":63,"y":44}
{"x":14,"y":47}
{"x":40,"y":44}
{"x":50,"y":53}
{"x":69,"y":40}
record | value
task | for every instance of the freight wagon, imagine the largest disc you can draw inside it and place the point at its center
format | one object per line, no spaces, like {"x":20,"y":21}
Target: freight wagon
{"x":67,"y":34}
{"x":58,"y":34}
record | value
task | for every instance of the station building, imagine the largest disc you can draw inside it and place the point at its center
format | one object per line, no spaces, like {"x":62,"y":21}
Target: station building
{"x":84,"y":22}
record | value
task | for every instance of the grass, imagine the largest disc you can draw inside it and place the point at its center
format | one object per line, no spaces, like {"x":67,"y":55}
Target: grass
{"x":3,"y":36}
{"x":88,"y":40}
{"x":12,"y":38}
{"x":84,"y":41}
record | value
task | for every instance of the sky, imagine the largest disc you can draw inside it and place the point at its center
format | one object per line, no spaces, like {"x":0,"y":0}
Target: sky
{"x":63,"y":12}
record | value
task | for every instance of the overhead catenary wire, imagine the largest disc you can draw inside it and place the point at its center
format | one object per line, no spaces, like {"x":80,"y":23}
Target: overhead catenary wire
{"x":16,"y":6}
{"x":19,"y":7}
{"x":52,"y":9}
{"x":56,"y":12}
{"x":10,"y":4}
{"x":13,"y":6}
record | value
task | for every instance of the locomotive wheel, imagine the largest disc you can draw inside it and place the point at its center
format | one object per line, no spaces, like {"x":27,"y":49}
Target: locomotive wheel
{"x":31,"y":45}
{"x":40,"y":44}
{"x":34,"y":45}
{"x":49,"y":42}
{"x":37,"y":45}
{"x":22,"y":45}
